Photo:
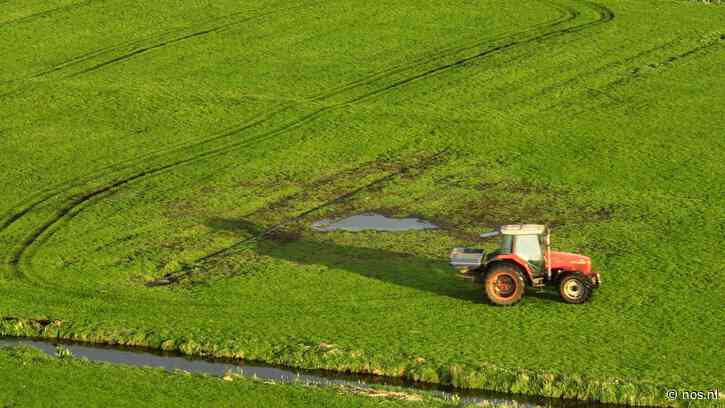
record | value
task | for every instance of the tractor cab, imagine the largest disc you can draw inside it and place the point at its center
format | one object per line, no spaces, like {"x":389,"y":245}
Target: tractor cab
{"x":524,"y":258}
{"x":527,"y":242}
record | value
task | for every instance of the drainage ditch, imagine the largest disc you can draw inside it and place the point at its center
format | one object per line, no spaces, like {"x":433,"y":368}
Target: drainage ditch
{"x":172,"y":361}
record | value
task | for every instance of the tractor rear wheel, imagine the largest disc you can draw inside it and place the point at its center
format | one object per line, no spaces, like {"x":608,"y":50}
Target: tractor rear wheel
{"x":504,"y":285}
{"x":574,"y":289}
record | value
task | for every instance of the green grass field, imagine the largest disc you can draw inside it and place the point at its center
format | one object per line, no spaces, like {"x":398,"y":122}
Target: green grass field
{"x":141,"y":140}
{"x":42,"y":381}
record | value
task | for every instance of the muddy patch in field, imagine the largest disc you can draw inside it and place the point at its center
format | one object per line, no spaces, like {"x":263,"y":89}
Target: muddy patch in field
{"x":372,"y":221}
{"x":478,"y":206}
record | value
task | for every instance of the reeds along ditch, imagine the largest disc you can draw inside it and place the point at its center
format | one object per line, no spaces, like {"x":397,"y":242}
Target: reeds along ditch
{"x":329,"y":357}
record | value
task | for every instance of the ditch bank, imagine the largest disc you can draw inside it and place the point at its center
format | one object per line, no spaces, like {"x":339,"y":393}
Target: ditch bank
{"x":173,"y":361}
{"x":485,"y":382}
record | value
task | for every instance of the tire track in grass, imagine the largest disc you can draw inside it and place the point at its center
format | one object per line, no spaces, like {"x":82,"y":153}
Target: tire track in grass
{"x":75,"y":203}
{"x":635,"y":74}
{"x":39,"y":198}
{"x":601,"y":69}
{"x":22,"y":209}
{"x":567,"y":14}
{"x":195,"y":34}
{"x":9,"y":219}
{"x":79,"y":203}
{"x":605,"y":15}
{"x":40,"y":14}
{"x":182,"y":34}
{"x":141,"y":46}
{"x":668,"y":62}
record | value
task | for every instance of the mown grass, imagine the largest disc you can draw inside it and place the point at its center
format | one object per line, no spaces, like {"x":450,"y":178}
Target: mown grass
{"x":142,"y":138}
{"x":31,"y":378}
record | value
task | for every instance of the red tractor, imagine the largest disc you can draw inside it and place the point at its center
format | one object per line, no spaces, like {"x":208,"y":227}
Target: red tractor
{"x":525,"y":259}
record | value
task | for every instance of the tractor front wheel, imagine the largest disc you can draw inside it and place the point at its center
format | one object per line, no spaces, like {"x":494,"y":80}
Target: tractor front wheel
{"x":504,"y":285}
{"x":574,"y":289}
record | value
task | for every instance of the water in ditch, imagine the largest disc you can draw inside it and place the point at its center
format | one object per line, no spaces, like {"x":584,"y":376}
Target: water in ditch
{"x":174,"y":361}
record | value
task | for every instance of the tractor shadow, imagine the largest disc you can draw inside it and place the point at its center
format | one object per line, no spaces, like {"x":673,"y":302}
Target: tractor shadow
{"x":432,"y":275}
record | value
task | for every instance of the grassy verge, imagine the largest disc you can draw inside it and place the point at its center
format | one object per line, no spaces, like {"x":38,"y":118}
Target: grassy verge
{"x":33,"y":379}
{"x":331,"y":357}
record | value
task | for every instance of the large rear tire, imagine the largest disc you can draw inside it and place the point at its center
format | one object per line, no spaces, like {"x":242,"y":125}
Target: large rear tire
{"x":574,"y":289}
{"x":504,"y":285}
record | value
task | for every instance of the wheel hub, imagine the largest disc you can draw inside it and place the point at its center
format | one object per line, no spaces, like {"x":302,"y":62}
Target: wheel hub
{"x":505,"y":286}
{"x":573,"y":289}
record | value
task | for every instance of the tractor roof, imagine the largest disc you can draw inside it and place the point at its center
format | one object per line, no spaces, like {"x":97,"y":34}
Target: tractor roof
{"x":523,"y":229}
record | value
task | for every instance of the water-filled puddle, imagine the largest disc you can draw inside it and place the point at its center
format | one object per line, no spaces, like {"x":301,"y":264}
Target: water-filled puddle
{"x":175,"y":361}
{"x":372,"y":221}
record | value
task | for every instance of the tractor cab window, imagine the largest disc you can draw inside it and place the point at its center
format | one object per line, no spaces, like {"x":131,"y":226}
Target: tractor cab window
{"x":507,"y":244}
{"x":528,"y":247}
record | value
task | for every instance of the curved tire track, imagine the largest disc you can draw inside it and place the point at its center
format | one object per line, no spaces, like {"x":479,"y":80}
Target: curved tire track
{"x":77,"y":204}
{"x":605,"y":16}
{"x":22,"y":209}
{"x":567,"y":14}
